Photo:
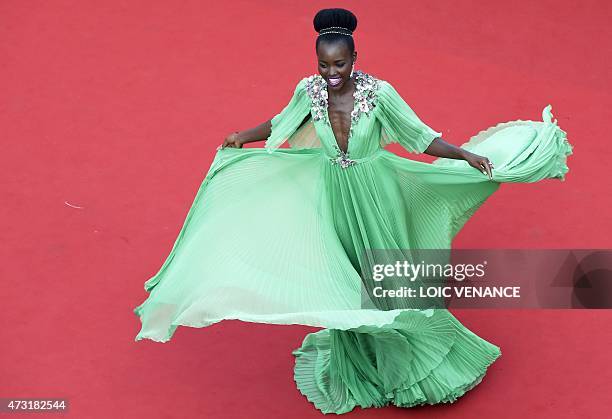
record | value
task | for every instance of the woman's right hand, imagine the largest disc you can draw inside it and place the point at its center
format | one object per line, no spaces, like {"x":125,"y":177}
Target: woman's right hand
{"x":231,"y":141}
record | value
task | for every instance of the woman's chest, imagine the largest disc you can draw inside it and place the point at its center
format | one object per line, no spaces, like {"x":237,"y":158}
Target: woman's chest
{"x":339,"y":114}
{"x":357,"y":137}
{"x":346,"y":124}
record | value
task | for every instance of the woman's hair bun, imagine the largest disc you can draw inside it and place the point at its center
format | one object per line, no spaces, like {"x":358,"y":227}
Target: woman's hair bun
{"x":343,"y":18}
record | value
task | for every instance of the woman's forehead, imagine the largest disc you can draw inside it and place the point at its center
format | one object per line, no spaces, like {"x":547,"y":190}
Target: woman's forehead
{"x":332,"y":51}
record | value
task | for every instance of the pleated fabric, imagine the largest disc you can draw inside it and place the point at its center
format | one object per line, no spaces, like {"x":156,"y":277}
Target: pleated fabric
{"x":278,"y":235}
{"x":425,"y":357}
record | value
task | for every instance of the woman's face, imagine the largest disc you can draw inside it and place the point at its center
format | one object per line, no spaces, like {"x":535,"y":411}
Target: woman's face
{"x":335,"y":63}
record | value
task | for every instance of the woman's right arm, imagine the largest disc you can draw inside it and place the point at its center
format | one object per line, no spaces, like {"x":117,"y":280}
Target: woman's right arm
{"x":279,"y":128}
{"x":238,"y":139}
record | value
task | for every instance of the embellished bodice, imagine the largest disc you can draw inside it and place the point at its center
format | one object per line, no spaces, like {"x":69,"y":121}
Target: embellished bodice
{"x":364,"y":104}
{"x":379,"y":117}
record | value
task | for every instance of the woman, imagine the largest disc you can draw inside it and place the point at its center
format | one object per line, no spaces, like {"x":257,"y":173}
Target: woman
{"x":282,"y":235}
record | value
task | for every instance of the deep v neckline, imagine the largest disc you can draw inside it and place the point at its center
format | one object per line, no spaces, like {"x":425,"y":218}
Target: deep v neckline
{"x":364,"y":102}
{"x":350,"y":133}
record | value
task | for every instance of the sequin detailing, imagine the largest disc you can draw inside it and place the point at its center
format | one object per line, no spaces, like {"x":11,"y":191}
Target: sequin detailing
{"x":316,"y":86}
{"x":364,"y":97}
{"x":342,"y":159}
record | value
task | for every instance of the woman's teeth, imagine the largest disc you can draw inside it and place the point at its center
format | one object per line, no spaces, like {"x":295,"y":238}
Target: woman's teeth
{"x":335,"y":81}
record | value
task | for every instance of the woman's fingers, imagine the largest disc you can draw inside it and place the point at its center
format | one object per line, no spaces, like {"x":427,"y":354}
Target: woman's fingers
{"x":487,"y":167}
{"x":483,"y":164}
{"x":230,"y":143}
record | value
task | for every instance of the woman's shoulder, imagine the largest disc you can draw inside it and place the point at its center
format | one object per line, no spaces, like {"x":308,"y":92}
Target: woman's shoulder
{"x":312,"y":82}
{"x":372,"y":89}
{"x":369,"y":78}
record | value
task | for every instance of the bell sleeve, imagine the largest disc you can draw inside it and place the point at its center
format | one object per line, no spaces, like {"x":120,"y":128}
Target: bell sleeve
{"x":400,"y":123}
{"x":290,"y":118}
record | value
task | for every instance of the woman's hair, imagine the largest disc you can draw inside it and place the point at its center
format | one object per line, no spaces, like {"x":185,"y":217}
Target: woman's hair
{"x":342,"y":18}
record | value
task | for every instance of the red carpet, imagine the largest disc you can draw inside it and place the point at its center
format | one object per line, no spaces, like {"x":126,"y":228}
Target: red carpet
{"x":110,"y":113}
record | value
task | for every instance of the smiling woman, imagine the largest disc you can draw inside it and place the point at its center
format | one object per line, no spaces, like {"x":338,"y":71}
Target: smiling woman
{"x":336,"y":54}
{"x":281,"y":235}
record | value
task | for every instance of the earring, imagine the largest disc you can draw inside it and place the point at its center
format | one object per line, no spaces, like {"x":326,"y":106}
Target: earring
{"x":353,"y":69}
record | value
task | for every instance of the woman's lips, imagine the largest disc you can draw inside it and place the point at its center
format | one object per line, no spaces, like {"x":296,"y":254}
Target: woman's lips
{"x":335,"y":81}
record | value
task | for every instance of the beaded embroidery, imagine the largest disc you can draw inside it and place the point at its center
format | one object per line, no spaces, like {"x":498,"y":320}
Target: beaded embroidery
{"x":364,"y":101}
{"x":342,"y":159}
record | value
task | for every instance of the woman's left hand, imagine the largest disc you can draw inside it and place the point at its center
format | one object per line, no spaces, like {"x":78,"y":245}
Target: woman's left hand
{"x":479,"y":162}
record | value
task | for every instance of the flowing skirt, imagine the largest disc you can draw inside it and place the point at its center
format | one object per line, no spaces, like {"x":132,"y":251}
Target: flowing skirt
{"x":280,"y":238}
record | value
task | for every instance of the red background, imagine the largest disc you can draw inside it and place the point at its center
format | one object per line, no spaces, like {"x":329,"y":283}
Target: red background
{"x":117,"y":107}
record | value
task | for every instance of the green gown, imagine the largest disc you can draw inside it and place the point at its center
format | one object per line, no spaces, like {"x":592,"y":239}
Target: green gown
{"x":277,"y":235}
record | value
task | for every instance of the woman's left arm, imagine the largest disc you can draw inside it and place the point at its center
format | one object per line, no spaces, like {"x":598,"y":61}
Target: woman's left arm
{"x":441,"y":148}
{"x":401,"y":124}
